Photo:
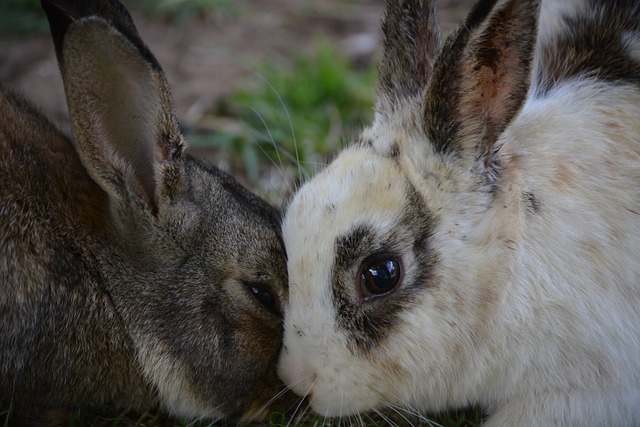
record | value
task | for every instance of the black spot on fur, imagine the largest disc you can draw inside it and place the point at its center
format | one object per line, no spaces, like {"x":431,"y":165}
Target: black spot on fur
{"x":352,"y":245}
{"x":594,"y":46}
{"x":532,"y":203}
{"x":394,"y":151}
{"x":363,"y":142}
{"x":368,"y":322}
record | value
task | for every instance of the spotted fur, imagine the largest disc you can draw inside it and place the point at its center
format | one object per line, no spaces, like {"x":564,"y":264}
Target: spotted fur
{"x":503,"y":170}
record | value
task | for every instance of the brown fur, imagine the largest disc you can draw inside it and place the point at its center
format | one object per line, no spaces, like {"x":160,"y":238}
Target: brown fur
{"x":129,"y":270}
{"x":409,"y":45}
{"x":482,"y":77}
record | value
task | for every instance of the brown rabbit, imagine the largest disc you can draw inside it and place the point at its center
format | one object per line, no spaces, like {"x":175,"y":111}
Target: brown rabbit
{"x":131,"y":274}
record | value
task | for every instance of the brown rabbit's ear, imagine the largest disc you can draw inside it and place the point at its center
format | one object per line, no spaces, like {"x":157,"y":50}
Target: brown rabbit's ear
{"x":121,"y":109}
{"x":411,"y":42}
{"x":482,"y":76}
{"x":62,"y":13}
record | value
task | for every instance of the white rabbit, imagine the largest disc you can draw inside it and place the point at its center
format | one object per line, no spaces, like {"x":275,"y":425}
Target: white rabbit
{"x":480,"y":242}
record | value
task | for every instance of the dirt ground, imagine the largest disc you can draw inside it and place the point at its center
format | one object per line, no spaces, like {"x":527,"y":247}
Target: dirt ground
{"x":204,"y":59}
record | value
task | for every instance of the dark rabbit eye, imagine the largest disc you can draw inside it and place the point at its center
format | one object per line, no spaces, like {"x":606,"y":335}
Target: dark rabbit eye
{"x":380,"y":276}
{"x":264,"y":296}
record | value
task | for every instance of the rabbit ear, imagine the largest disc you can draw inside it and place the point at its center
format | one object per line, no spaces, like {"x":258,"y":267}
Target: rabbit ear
{"x":482,"y":77}
{"x":411,"y":43}
{"x":63,"y":13}
{"x":119,"y":102}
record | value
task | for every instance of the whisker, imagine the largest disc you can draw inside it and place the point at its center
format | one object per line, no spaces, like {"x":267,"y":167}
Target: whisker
{"x":302,"y":399}
{"x":273,"y":399}
{"x":361,"y":420}
{"x":304,"y":414}
{"x":398,"y":411}
{"x":413,"y":413}
{"x":324,"y":421}
{"x":385,"y":418}
{"x":295,"y":411}
{"x":286,"y":110}
{"x":279,"y":167}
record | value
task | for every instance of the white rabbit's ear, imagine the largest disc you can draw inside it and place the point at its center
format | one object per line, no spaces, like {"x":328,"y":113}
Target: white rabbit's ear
{"x":411,"y":42}
{"x":482,"y":77}
{"x":119,"y":101}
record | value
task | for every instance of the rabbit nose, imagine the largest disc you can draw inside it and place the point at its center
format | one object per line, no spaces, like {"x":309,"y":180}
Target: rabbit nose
{"x":297,"y":374}
{"x":304,"y":384}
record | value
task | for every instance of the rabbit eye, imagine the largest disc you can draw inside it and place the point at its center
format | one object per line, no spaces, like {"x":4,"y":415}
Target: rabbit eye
{"x":379,"y":276}
{"x":264,"y":296}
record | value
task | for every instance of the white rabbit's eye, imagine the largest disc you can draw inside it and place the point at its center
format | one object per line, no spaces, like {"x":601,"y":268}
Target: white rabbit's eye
{"x":379,"y":276}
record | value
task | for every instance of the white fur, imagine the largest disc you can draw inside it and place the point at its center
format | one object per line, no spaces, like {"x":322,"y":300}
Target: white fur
{"x":166,"y":373}
{"x":553,"y":12}
{"x":535,"y":315}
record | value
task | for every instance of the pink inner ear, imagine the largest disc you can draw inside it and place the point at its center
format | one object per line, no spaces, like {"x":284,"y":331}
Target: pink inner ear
{"x":495,"y":85}
{"x":497,"y":73}
{"x":482,"y":76}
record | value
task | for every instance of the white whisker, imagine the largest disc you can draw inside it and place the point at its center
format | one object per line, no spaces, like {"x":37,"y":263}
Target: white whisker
{"x":413,"y":413}
{"x":284,"y":106}
{"x":361,"y":421}
{"x":400,"y":414}
{"x":280,"y":166}
{"x":302,"y":399}
{"x":385,"y":418}
{"x":273,"y":399}
{"x":295,"y":411}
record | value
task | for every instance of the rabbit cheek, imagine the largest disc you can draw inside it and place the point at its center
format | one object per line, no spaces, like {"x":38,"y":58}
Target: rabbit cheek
{"x":335,"y":343}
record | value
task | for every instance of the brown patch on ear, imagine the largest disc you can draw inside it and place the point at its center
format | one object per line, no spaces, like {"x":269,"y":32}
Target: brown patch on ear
{"x":411,"y":43}
{"x":482,"y":77}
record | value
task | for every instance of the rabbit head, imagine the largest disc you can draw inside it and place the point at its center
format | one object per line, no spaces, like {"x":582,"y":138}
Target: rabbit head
{"x":134,"y":275}
{"x":429,"y":264}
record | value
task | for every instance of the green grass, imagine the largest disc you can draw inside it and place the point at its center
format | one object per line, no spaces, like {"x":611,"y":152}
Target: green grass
{"x":291,"y":116}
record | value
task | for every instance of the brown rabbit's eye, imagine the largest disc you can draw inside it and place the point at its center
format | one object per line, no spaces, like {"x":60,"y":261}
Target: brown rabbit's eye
{"x":379,"y":276}
{"x":265,"y":297}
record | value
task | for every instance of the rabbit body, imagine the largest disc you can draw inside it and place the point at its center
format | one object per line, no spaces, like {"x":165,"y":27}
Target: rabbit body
{"x":131,"y":274}
{"x":500,"y":186}
{"x":53,"y":217}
